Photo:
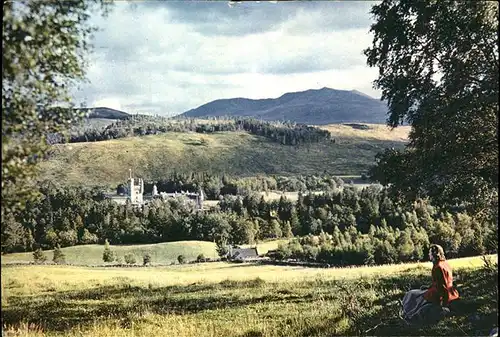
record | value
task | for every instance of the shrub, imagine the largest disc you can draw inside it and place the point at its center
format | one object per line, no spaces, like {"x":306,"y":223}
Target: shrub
{"x":181,"y":259}
{"x":51,"y":238}
{"x":59,"y":256}
{"x":146,"y":259}
{"x":68,"y":238}
{"x":39,"y":256}
{"x":88,"y":238}
{"x":201,"y":258}
{"x":130,"y":258}
{"x":222,"y":250}
{"x":108,"y":255}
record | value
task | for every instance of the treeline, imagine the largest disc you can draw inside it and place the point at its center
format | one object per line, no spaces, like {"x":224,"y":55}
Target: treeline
{"x":385,"y":244}
{"x":286,"y":133}
{"x":214,"y":185}
{"x":341,"y":227}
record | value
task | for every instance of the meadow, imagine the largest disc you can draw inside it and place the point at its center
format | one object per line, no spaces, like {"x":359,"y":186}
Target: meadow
{"x":235,"y":153}
{"x":161,"y":253}
{"x":223,"y":299}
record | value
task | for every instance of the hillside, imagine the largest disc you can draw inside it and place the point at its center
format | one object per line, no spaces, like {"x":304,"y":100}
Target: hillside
{"x":105,"y":113}
{"x":320,"y":107}
{"x":236,"y":153}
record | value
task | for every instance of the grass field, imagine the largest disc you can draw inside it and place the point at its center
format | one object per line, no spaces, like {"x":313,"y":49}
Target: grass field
{"x":221,"y":299}
{"x":375,"y":132}
{"x":236,"y":153}
{"x":161,"y":253}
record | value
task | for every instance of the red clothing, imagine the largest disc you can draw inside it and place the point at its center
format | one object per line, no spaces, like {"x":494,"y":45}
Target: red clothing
{"x":441,"y":290}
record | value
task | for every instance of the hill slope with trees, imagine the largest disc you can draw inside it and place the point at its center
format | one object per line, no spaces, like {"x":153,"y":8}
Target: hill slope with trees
{"x":154,"y":157}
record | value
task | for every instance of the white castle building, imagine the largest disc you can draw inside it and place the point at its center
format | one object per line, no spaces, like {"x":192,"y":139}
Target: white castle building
{"x":135,"y":194}
{"x":197,"y":197}
{"x":135,"y":190}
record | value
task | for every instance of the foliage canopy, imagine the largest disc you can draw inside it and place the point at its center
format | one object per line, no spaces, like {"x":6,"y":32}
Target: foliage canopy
{"x":438,"y":70}
{"x":44,"y":44}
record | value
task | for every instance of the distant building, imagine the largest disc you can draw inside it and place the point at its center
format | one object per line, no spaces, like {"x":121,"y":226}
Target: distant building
{"x":243,"y":254}
{"x":135,"y":194}
{"x":135,"y":190}
{"x":198,"y":198}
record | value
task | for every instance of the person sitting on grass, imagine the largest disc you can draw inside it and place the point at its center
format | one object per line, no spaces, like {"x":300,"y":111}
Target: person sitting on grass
{"x":428,"y":305}
{"x":441,"y":291}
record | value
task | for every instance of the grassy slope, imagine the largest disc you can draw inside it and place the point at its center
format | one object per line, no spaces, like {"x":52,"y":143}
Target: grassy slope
{"x":161,"y":253}
{"x":152,"y":157}
{"x":220,"y":299}
{"x":375,"y":132}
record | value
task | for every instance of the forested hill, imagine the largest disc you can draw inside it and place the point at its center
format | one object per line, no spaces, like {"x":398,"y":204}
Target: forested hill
{"x":105,"y":113}
{"x":319,"y":107}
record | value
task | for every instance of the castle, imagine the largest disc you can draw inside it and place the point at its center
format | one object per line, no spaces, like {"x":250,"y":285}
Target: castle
{"x":135,"y":194}
{"x":135,"y":190}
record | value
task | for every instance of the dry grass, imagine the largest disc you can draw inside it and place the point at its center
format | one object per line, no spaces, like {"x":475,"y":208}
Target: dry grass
{"x":375,"y":131}
{"x":182,"y":275}
{"x":218,"y":299}
{"x":235,"y":153}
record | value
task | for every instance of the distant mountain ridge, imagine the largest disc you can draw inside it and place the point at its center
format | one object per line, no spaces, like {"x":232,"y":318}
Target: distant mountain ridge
{"x":105,"y":113}
{"x":314,"y":106}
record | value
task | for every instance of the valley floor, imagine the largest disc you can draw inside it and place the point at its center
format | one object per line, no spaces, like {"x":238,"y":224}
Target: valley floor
{"x":223,"y":299}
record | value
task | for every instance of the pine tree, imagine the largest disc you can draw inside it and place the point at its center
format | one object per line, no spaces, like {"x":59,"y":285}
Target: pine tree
{"x":39,"y":256}
{"x":146,"y":259}
{"x":287,"y":230}
{"x":108,"y":255}
{"x":59,"y":257}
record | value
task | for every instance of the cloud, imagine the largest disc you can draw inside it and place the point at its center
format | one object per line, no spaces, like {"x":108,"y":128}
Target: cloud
{"x":169,"y":57}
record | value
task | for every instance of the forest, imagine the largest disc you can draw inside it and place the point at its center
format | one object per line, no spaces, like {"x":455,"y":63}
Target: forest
{"x":285,"y":133}
{"x":342,"y":226}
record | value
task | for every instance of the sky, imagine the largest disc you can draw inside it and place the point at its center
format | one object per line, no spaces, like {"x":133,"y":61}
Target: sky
{"x":168,"y":57}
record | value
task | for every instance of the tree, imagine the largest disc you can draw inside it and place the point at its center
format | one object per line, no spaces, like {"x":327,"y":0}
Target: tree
{"x":242,"y":231}
{"x":146,"y":259}
{"x":68,"y":238}
{"x":222,"y":249}
{"x":181,"y":259}
{"x":12,"y":234}
{"x":88,"y":238}
{"x":44,"y":44}
{"x":438,"y":71}
{"x":39,"y":256}
{"x":107,"y":255}
{"x":130,"y":258}
{"x":59,"y":256}
{"x":286,"y":230}
{"x":405,"y":246}
{"x":200,"y":258}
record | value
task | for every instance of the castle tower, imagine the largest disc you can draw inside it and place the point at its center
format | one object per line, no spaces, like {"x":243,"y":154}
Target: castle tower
{"x":200,"y":198}
{"x":135,"y":189}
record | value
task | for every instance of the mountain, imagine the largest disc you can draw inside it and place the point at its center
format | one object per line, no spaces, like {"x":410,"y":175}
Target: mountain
{"x":320,"y":107}
{"x":105,"y":113}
